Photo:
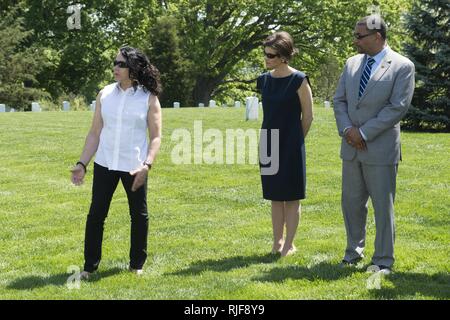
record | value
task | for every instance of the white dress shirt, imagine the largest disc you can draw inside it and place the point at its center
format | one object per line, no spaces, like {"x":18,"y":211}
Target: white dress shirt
{"x":378,"y":57}
{"x":123,"y":140}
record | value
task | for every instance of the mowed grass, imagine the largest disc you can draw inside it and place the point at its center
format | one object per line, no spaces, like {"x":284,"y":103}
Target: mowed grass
{"x":210,"y":230}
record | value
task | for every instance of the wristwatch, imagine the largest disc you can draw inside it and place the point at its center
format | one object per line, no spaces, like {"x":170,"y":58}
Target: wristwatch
{"x":148,"y":164}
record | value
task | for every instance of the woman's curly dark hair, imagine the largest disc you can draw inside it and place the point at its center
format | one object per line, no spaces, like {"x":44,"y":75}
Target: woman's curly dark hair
{"x":142,"y":72}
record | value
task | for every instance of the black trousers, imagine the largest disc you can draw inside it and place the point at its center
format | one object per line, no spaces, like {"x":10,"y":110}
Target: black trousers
{"x":103,"y":187}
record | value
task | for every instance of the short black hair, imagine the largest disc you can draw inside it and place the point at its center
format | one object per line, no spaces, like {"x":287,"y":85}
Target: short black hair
{"x":375,"y":23}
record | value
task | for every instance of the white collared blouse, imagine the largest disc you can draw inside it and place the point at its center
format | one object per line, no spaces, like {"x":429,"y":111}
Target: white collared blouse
{"x":124,"y":139}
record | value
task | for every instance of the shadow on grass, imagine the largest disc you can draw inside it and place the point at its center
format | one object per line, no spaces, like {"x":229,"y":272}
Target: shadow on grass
{"x":405,"y":285}
{"x":35,"y":282}
{"x":322,"y":271}
{"x":226,"y":264}
{"x":410,"y":284}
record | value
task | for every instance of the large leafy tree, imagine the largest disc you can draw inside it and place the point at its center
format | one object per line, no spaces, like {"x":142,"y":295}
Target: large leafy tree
{"x":220,"y":34}
{"x":430,"y":51}
{"x":81,"y":58}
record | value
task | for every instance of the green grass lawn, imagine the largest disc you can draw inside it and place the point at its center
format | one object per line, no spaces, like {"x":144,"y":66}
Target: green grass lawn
{"x":210,"y":229}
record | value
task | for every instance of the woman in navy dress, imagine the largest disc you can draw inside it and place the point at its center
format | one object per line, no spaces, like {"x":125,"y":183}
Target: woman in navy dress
{"x":287,"y":104}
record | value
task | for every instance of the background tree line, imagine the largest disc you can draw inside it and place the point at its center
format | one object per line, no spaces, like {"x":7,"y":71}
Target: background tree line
{"x":211,"y":48}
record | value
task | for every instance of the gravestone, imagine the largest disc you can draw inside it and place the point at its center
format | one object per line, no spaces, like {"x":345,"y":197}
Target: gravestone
{"x":212,"y":104}
{"x":237,"y":104}
{"x":201,"y":105}
{"x":176,"y":104}
{"x":92,"y":106}
{"x":327,"y":104}
{"x":2,"y":108}
{"x":251,"y":108}
{"x":35,"y":107}
{"x":66,"y":105}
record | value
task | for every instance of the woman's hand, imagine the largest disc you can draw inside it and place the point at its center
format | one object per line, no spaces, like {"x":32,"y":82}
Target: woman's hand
{"x":78,"y":174}
{"x":140,"y":175}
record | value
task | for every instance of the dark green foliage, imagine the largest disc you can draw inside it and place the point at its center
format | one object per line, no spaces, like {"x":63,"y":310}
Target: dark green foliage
{"x":429,"y":49}
{"x":19,"y":64}
{"x":165,"y":53}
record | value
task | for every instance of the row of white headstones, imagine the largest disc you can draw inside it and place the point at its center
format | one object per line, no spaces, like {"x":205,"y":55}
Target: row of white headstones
{"x":35,"y":107}
{"x":252,"y":106}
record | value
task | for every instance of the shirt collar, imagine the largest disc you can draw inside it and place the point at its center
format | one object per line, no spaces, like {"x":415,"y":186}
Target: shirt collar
{"x":129,"y":91}
{"x":380,"y":55}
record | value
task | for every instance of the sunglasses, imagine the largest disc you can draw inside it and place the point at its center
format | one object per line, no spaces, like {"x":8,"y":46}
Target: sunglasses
{"x":120,"y":64}
{"x":361,"y":36}
{"x":270,"y":55}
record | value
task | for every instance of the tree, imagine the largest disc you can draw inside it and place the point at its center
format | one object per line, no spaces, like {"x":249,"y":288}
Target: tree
{"x":219,"y":34}
{"x":164,"y":51}
{"x":82,"y":58}
{"x":430,"y":52}
{"x":327,"y":78}
{"x":19,"y":64}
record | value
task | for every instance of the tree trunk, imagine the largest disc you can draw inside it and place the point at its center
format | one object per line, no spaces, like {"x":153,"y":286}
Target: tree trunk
{"x":204,"y":88}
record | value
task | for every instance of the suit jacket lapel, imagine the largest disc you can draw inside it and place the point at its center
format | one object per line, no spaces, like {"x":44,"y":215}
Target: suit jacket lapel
{"x":384,"y":66}
{"x":357,"y":78}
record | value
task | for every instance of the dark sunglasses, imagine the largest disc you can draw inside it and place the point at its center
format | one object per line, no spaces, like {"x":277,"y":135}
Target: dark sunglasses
{"x":120,"y":64}
{"x":361,"y":36}
{"x":270,"y":55}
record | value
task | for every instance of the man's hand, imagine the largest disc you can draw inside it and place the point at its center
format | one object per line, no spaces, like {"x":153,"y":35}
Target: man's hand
{"x":354,"y":138}
{"x":140,"y":175}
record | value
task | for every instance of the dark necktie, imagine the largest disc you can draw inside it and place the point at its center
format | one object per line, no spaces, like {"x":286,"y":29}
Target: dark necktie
{"x":365,"y":76}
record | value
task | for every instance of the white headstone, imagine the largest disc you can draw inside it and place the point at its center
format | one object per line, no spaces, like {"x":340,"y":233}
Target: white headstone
{"x":35,"y":107}
{"x":237,"y":104}
{"x":176,"y":104}
{"x":12,"y":110}
{"x":66,"y":105}
{"x":251,"y":108}
{"x":212,"y":104}
{"x":93,"y":103}
{"x":2,"y":108}
{"x":327,"y":104}
{"x":201,"y":105}
{"x":224,"y":105}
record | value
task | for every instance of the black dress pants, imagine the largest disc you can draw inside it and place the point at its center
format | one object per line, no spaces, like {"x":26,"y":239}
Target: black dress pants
{"x":103,"y":187}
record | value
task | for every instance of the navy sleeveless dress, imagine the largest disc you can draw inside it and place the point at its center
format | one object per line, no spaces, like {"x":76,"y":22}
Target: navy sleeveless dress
{"x":282,"y":111}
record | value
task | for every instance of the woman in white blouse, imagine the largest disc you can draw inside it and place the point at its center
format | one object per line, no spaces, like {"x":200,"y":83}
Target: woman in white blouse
{"x":125,"y":111}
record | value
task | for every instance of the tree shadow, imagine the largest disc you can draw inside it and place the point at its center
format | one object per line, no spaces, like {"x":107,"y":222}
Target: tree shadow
{"x":322,"y":271}
{"x":227,"y":264}
{"x":409,"y":284}
{"x":35,"y":282}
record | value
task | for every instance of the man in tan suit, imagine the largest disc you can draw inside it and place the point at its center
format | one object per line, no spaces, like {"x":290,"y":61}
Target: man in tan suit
{"x":373,"y":94}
